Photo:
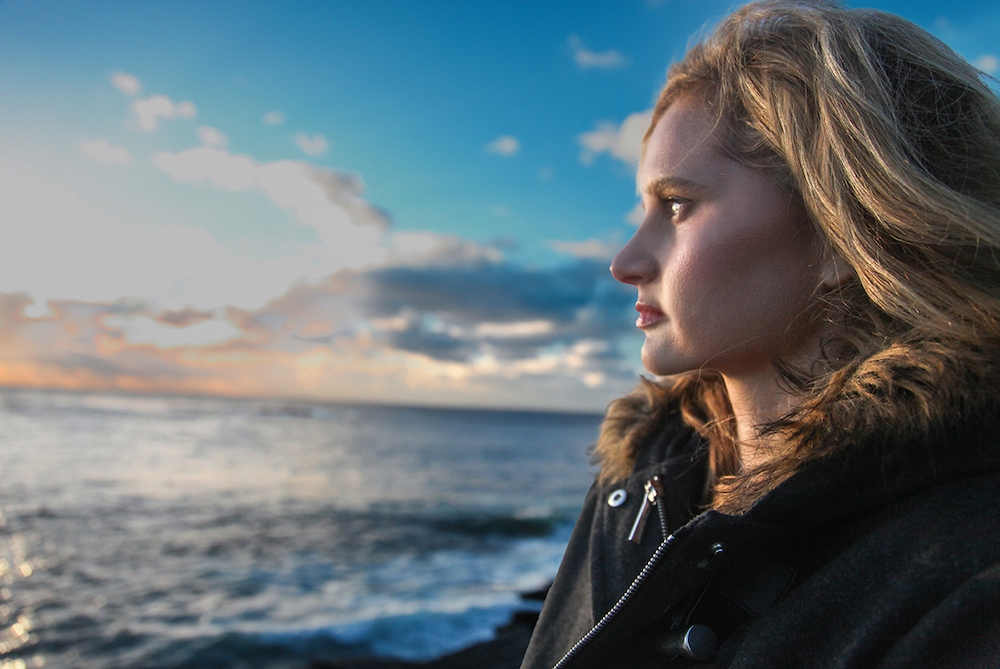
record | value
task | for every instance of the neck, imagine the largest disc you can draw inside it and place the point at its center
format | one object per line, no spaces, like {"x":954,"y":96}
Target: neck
{"x":757,"y":400}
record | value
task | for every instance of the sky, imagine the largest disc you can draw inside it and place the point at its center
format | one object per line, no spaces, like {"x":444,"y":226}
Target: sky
{"x":384,"y":201}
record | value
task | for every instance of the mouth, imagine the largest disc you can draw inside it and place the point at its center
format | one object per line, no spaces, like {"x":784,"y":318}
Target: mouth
{"x":647,"y":315}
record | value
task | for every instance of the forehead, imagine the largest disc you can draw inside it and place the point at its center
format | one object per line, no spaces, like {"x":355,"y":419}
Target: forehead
{"x":683,"y":144}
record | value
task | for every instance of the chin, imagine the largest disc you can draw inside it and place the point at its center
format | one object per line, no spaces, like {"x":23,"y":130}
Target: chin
{"x":664,"y":363}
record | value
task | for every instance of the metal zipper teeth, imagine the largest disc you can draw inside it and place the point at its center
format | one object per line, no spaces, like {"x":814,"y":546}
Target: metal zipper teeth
{"x":603,"y":622}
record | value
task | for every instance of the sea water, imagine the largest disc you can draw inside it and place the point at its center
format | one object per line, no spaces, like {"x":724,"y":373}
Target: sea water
{"x":155,"y":532}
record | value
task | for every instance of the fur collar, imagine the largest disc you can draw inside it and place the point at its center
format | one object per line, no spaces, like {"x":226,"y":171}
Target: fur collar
{"x":900,"y":405}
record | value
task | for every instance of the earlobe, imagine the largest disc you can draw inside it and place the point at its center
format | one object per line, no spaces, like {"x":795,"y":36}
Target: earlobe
{"x":836,"y":272}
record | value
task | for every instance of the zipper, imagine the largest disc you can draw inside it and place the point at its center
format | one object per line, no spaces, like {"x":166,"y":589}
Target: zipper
{"x":654,"y":491}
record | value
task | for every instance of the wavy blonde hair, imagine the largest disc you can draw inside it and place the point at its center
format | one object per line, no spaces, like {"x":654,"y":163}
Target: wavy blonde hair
{"x":892,"y":143}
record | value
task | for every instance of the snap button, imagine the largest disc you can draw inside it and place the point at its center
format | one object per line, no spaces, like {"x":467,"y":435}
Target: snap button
{"x":617,"y":498}
{"x":697,"y":643}
{"x":719,"y":548}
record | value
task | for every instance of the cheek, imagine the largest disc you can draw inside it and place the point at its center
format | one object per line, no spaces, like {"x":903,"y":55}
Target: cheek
{"x":709,"y":267}
{"x":752,"y":276}
{"x":704,"y":293}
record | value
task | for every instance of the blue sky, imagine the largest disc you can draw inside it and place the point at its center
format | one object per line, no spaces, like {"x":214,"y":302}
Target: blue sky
{"x":380,"y":201}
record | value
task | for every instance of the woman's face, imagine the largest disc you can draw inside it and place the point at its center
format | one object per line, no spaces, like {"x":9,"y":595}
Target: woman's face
{"x":726,"y":265}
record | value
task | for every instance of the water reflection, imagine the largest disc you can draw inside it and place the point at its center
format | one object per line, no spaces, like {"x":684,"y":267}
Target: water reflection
{"x":17,"y":617}
{"x":181,"y":532}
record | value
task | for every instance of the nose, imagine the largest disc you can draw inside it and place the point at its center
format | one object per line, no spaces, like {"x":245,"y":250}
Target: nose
{"x":634,"y":264}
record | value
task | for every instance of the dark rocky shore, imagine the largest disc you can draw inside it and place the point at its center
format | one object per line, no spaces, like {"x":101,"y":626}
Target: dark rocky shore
{"x":504,"y":651}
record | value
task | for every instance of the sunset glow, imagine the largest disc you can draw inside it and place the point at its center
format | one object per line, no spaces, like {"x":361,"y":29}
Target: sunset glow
{"x":304,"y":208}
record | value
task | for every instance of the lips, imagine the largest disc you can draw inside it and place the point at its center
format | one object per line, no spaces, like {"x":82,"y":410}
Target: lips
{"x":647,"y":315}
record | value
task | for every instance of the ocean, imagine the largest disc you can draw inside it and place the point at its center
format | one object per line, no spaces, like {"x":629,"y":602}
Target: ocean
{"x":175,"y":532}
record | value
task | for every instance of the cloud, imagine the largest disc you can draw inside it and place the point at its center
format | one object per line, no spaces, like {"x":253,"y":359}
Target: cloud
{"x":596,"y":249}
{"x":312,"y":146}
{"x":429,"y":249}
{"x":491,"y":319}
{"x":363,"y":312}
{"x":103,"y":152}
{"x":184,"y":317}
{"x":988,"y":63}
{"x":465,"y":309}
{"x":144,"y":329}
{"x":497,"y":323}
{"x":149,"y":111}
{"x":620,"y":141}
{"x":443,"y":319}
{"x":273,"y":118}
{"x":126,"y":83}
{"x":209,"y":164}
{"x":79,"y":346}
{"x":102,"y":259}
{"x":211,"y":137}
{"x":587,"y":59}
{"x":504,"y":145}
{"x":488,"y":291}
{"x":325,"y":200}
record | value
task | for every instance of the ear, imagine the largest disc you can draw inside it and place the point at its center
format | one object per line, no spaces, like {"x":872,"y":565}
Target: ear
{"x":835,"y":271}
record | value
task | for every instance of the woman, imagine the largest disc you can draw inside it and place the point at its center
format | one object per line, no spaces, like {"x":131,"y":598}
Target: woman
{"x":815,"y":481}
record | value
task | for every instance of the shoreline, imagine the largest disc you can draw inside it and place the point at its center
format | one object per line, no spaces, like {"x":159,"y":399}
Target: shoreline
{"x":504,"y":651}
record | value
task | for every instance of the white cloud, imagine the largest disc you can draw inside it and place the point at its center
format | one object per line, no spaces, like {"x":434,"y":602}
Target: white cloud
{"x":988,"y":63}
{"x":587,"y":59}
{"x":102,"y":259}
{"x":423,"y":248}
{"x":126,"y":83}
{"x":273,"y":118}
{"x":504,"y":145}
{"x":209,"y":164}
{"x":293,"y":314}
{"x":211,"y":137}
{"x":327,"y":201}
{"x":103,"y":152}
{"x":591,"y":248}
{"x":149,"y":111}
{"x":620,"y":141}
{"x":312,"y":146}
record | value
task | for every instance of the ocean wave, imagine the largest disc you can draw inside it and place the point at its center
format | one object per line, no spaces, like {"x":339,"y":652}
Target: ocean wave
{"x":417,"y":636}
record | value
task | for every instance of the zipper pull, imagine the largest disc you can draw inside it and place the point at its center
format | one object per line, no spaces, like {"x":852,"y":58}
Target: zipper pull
{"x":653,"y":491}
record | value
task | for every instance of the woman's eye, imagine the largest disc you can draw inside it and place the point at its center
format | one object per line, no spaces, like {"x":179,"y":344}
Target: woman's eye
{"x":674,"y":206}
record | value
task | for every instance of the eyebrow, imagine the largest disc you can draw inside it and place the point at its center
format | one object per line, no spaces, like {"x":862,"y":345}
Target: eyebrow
{"x":669,"y":183}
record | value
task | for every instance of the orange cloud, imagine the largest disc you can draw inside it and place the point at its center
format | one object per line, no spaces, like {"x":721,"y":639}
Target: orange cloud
{"x":451,"y":327}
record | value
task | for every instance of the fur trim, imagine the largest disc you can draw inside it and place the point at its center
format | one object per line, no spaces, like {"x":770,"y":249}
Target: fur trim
{"x":628,"y":424}
{"x":898,"y":400}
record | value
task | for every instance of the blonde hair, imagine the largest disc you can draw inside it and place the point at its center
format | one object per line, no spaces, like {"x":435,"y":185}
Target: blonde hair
{"x":892,"y":143}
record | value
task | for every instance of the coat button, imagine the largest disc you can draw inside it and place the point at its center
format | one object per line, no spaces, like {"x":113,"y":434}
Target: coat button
{"x":617,"y":498}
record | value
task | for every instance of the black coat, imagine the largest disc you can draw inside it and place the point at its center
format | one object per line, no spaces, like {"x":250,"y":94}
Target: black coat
{"x":855,"y":561}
